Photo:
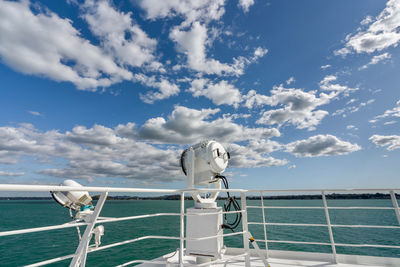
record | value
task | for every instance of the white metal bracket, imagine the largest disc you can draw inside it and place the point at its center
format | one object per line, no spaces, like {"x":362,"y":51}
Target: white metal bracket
{"x":81,"y":252}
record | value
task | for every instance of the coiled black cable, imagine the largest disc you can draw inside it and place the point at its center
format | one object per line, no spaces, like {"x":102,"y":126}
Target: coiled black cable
{"x":230,"y":204}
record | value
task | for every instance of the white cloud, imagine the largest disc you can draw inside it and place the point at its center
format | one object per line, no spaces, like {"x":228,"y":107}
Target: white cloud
{"x":192,"y":36}
{"x":187,"y":126}
{"x":259,"y":52}
{"x":193,"y":43}
{"x":376,"y":60}
{"x":292,"y":167}
{"x":382,"y":33}
{"x":327,"y":85}
{"x":352,"y":109}
{"x":298,"y":107}
{"x":247,"y":157}
{"x":391,"y":142}
{"x":351,"y":101}
{"x":41,"y":43}
{"x":119,"y":34}
{"x":321,"y":145}
{"x":351,"y":127}
{"x":91,"y":152}
{"x":290,"y":80}
{"x":165,"y":87}
{"x":246,"y":4}
{"x":390,"y":113}
{"x":34,"y":113}
{"x":11,"y":174}
{"x":203,"y":11}
{"x":220,"y":93}
{"x":325,"y":66}
{"x":367,"y":20}
{"x":121,"y":152}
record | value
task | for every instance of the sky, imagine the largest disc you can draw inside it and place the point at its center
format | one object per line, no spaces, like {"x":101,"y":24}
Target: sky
{"x":303,"y":94}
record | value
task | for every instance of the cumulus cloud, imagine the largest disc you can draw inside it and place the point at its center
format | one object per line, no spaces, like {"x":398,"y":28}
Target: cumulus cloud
{"x":299,"y":107}
{"x":42,"y":43}
{"x":382,"y":33}
{"x":247,"y":157}
{"x":321,"y":145}
{"x":165,"y":88}
{"x":391,"y":142}
{"x":203,"y":11}
{"x":142,"y":153}
{"x":376,"y":60}
{"x":325,"y":66}
{"x":192,"y":43}
{"x":186,"y":126}
{"x":246,"y":4}
{"x":91,"y":152}
{"x":390,"y":113}
{"x":327,"y":84}
{"x":119,"y":35}
{"x":219,"y":93}
{"x":127,"y":151}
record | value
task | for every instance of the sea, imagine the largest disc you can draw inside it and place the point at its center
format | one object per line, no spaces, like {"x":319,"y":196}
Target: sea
{"x":20,"y":250}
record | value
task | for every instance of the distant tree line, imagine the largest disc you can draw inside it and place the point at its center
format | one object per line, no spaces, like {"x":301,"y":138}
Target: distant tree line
{"x":276,"y":197}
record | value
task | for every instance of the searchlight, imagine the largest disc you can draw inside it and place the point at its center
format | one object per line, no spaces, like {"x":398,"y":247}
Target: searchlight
{"x":203,"y":164}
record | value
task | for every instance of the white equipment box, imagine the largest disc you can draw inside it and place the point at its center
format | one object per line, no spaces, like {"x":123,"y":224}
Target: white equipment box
{"x":203,"y":226}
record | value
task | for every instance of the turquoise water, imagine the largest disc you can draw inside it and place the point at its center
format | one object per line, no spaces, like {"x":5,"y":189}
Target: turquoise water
{"x":29,"y":248}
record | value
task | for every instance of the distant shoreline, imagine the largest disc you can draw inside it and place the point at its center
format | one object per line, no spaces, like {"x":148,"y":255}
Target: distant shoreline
{"x":280,"y":197}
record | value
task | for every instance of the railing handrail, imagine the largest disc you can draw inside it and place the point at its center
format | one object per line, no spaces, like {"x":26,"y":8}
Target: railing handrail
{"x":105,"y":190}
{"x":324,"y":189}
{"x":47,"y":188}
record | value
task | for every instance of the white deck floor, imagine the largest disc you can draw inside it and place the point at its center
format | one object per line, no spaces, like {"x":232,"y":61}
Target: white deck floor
{"x":293,"y":259}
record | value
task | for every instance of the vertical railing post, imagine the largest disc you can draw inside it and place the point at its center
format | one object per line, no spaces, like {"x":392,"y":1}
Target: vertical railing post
{"x":395,"y":205}
{"x":265,"y":227}
{"x":182,"y":229}
{"x":328,"y":222}
{"x":245,"y":228}
{"x":80,"y":253}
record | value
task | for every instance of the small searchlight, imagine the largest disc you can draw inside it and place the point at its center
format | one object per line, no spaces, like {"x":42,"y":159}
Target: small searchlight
{"x":81,"y":203}
{"x":203,"y":164}
{"x":75,"y":200}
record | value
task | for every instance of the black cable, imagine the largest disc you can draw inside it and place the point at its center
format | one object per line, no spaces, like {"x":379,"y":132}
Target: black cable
{"x":182,"y":161}
{"x":229,"y":205}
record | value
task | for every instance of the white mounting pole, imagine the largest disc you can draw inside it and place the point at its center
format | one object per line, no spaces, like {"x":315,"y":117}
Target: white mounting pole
{"x":80,"y":253}
{"x":328,"y":222}
{"x":182,"y":229}
{"x":395,"y":205}
{"x":245,"y":229}
{"x":265,"y":228}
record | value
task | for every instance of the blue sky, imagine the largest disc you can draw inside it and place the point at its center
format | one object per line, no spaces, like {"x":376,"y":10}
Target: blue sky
{"x":304,"y":94}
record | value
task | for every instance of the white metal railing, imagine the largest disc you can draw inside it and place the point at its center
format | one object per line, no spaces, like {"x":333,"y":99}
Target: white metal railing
{"x":79,"y":257}
{"x":328,"y":224}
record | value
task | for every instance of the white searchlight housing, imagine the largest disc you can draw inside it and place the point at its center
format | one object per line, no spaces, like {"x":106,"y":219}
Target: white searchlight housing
{"x":202,"y":164}
{"x":75,"y":200}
